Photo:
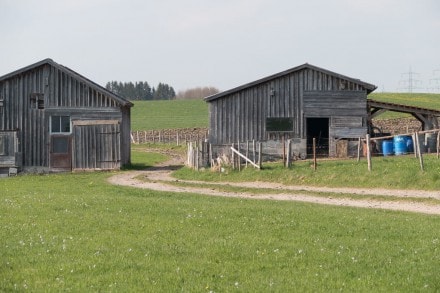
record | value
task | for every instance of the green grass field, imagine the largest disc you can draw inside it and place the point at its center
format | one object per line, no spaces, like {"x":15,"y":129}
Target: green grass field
{"x":395,"y":172}
{"x":75,"y":232}
{"x":153,"y":115}
{"x":430,"y":101}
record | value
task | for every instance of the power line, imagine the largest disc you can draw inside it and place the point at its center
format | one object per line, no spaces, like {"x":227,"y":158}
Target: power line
{"x":409,"y":82}
{"x":435,"y":82}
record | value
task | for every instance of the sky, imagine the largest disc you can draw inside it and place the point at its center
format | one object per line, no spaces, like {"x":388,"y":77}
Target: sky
{"x":226,"y":43}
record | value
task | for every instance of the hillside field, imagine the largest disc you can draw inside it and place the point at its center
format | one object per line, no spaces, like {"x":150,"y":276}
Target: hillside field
{"x":173,"y":114}
{"x":170,"y":114}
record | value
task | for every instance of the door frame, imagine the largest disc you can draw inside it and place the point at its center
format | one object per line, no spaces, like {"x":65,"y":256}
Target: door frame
{"x":60,"y":161}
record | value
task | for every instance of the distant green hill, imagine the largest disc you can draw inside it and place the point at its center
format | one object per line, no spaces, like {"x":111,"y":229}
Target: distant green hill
{"x":172,"y":114}
{"x":430,"y":101}
{"x":150,"y":115}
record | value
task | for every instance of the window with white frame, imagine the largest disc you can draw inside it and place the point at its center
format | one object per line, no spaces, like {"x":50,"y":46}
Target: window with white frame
{"x":60,"y":124}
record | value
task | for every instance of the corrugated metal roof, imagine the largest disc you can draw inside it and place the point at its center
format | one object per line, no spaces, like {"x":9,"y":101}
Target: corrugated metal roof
{"x":369,"y":87}
{"x":124,"y":102}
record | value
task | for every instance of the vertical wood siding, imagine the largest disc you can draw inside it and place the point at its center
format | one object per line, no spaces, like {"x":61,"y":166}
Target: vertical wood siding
{"x":62,"y":92}
{"x":241,"y":115}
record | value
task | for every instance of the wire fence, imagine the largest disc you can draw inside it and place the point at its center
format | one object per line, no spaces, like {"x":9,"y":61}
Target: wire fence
{"x":169,"y":136}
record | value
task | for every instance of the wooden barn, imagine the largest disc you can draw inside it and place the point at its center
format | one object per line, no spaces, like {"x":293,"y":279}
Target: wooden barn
{"x":54,"y":119}
{"x":297,"y":104}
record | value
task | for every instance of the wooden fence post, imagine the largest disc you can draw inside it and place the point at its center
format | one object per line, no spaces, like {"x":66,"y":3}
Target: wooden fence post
{"x":368,"y":152}
{"x":419,"y":153}
{"x":238,"y":157}
{"x":233,"y":158}
{"x":260,"y":149}
{"x":314,"y":153}
{"x":254,"y":151}
{"x":359,"y":150}
{"x":438,"y":144}
{"x":289,"y":146}
{"x":247,"y":151}
{"x":414,"y":138}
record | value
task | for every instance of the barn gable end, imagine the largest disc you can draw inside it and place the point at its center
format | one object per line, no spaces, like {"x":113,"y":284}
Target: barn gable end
{"x":294,"y":104}
{"x":62,"y":120}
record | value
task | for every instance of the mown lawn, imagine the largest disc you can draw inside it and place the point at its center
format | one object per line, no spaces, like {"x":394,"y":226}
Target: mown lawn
{"x":75,"y":232}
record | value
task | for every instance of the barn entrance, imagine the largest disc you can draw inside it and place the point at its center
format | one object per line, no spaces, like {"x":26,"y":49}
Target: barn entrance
{"x":61,"y":152}
{"x":318,"y":128}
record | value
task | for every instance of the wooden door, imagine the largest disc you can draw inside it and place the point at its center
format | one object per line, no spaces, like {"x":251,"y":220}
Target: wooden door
{"x":61,"y":152}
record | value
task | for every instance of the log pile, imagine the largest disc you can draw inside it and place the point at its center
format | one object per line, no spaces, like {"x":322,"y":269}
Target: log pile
{"x":398,"y":126}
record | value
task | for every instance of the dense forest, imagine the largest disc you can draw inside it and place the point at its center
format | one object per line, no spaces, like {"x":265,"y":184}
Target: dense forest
{"x":141,"y":90}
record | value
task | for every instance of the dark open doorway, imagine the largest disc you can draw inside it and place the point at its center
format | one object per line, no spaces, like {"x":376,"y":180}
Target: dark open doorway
{"x":318,"y":128}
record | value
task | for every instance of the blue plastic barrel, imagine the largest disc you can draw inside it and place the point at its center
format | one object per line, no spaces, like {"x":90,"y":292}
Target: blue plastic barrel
{"x":409,"y":144}
{"x":400,"y":147}
{"x":387,"y":147}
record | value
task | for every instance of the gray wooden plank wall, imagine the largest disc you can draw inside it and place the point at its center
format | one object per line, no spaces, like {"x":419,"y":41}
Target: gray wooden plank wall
{"x":241,"y":116}
{"x":62,"y":92}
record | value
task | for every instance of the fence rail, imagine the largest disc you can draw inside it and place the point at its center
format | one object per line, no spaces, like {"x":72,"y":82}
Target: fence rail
{"x":171,"y":136}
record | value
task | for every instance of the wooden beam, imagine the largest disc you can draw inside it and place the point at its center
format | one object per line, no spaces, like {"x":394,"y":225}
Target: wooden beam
{"x":94,"y":122}
{"x":244,"y":157}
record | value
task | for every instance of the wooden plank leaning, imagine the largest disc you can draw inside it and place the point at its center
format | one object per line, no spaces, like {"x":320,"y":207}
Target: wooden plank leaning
{"x":244,"y":157}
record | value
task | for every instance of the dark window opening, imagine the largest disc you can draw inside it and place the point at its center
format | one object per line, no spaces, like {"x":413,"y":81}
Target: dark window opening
{"x":37,"y":101}
{"x":60,"y":124}
{"x":318,"y":128}
{"x":279,"y":124}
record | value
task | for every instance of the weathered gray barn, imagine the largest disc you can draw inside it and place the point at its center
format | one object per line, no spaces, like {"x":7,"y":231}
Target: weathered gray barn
{"x":54,"y":119}
{"x":299,"y":104}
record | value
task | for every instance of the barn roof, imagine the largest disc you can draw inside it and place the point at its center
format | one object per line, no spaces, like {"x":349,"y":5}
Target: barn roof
{"x":368,"y":87}
{"x":117,"y":98}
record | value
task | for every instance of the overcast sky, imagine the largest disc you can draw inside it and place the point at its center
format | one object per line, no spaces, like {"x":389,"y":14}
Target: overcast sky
{"x":225,"y":43}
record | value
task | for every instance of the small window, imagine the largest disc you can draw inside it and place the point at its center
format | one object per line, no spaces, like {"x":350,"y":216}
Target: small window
{"x":2,"y":105}
{"x":279,"y":124}
{"x":37,"y":101}
{"x":60,"y":124}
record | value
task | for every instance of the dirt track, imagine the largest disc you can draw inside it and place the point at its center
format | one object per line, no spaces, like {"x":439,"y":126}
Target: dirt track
{"x":159,"y":178}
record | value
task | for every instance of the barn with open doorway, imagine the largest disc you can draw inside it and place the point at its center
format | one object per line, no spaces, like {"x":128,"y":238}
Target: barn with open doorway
{"x":300,"y":104}
{"x":54,"y":119}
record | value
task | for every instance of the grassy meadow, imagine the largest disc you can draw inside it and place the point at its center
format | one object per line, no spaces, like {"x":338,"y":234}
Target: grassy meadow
{"x":392,"y":172}
{"x":153,"y":115}
{"x":75,"y":232}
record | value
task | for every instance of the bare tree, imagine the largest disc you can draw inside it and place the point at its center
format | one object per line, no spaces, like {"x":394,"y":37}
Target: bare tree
{"x":197,"y":93}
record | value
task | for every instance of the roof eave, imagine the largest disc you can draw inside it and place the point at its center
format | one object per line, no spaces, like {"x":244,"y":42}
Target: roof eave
{"x":369,"y":87}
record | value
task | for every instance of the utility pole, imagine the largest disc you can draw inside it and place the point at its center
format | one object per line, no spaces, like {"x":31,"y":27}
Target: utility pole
{"x":409,"y":82}
{"x":435,"y":82}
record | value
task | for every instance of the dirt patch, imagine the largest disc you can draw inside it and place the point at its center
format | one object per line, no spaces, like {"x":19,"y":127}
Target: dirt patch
{"x":159,"y":179}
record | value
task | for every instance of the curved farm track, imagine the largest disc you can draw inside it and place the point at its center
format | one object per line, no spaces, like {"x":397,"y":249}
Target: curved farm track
{"x":159,"y":178}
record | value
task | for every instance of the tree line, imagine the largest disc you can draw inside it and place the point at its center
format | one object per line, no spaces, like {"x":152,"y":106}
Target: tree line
{"x":141,"y":90}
